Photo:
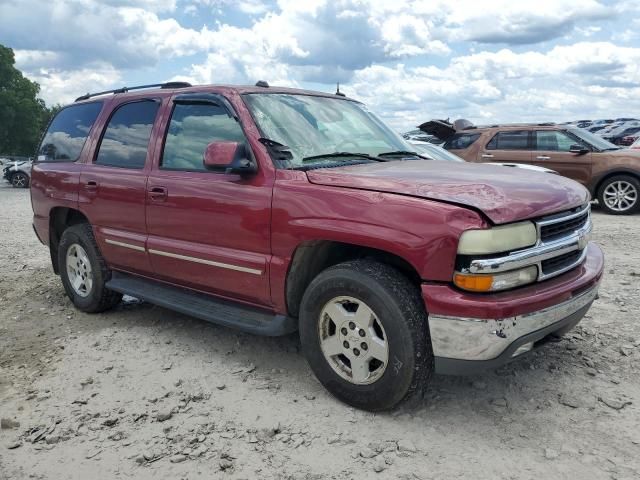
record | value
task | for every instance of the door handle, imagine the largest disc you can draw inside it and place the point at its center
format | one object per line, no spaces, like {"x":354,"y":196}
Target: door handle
{"x":91,"y":186}
{"x":486,"y":155}
{"x":158,"y":194}
{"x":543,"y":157}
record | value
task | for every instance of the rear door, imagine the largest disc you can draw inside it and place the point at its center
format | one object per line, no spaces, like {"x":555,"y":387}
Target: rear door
{"x":113,"y":185}
{"x":552,"y":150}
{"x":208,"y":230}
{"x":512,"y":146}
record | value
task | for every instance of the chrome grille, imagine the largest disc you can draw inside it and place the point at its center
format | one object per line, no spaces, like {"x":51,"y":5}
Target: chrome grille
{"x":553,"y":231}
{"x":560,"y":262}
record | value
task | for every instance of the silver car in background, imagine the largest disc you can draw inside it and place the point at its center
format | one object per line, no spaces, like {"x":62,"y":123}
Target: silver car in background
{"x":17,"y":171}
{"x":436,"y":152}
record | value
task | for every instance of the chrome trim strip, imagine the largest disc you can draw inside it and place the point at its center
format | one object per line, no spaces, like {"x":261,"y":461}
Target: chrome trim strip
{"x":206,"y":262}
{"x":125,"y":245}
{"x":536,"y":255}
{"x":485,"y":339}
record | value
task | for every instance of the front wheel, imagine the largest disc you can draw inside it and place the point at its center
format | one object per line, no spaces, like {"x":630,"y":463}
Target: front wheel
{"x":364,"y":332}
{"x":620,"y":195}
{"x":20,"y":180}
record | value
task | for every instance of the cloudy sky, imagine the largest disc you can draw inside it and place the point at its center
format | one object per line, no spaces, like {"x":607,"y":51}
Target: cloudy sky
{"x":409,"y":60}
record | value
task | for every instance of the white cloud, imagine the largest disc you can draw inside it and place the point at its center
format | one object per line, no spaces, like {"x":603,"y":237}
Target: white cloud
{"x":58,"y":86}
{"x":410,"y":59}
{"x":592,"y":78}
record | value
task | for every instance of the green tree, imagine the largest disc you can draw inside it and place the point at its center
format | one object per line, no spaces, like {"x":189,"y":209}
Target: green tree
{"x":22,"y":114}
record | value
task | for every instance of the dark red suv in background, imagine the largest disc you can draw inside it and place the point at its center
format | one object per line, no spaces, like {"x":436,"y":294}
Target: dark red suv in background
{"x":272,"y":209}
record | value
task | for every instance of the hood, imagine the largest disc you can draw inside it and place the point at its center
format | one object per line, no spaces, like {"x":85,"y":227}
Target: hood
{"x":441,"y":129}
{"x":503,"y":194}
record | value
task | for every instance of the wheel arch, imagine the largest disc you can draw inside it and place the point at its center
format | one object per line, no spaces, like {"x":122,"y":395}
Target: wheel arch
{"x":597,"y":184}
{"x":60,"y":218}
{"x":312,"y":257}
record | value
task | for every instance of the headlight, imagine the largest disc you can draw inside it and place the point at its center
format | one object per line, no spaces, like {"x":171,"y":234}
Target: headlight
{"x":498,"y":281}
{"x":498,"y":239}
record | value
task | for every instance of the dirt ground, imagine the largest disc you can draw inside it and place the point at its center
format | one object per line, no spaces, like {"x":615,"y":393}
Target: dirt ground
{"x":144,"y":393}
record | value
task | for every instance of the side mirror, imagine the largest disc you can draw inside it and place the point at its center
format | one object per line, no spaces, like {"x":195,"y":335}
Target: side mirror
{"x":579,"y":149}
{"x":230,"y":157}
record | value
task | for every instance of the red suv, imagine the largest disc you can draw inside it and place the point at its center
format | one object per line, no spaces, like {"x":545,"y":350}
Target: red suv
{"x":273,"y":210}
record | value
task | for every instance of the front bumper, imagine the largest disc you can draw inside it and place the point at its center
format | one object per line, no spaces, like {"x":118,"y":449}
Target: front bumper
{"x":472,"y":332}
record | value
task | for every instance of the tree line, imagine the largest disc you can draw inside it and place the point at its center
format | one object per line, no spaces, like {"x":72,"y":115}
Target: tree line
{"x":23,"y":115}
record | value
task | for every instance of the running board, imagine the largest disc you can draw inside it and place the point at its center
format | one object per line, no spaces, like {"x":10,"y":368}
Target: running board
{"x":202,"y":306}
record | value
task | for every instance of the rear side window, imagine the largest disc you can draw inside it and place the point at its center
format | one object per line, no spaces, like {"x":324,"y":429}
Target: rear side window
{"x":126,"y":139}
{"x":67,"y":133}
{"x":461,"y":140}
{"x":192,"y":128}
{"x":510,"y":140}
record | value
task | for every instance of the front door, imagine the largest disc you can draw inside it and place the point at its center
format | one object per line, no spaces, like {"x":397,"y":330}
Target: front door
{"x":113,"y":186}
{"x":552,"y":150}
{"x":510,"y":146}
{"x":208,"y":230}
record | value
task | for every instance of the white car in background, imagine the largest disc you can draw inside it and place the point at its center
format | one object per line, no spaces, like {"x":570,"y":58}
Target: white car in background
{"x":436,"y":152}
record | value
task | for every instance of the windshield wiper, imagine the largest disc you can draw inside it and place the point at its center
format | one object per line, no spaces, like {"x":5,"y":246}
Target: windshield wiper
{"x":402,"y":152}
{"x":341,"y":154}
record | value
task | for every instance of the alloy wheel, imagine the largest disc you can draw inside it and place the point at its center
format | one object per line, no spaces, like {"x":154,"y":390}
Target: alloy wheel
{"x":79,"y":270}
{"x":353,"y":340}
{"x":620,"y":196}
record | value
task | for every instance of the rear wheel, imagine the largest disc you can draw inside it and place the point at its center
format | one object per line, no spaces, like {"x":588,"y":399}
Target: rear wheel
{"x":363,"y":329}
{"x":20,"y":180}
{"x":620,"y":195}
{"x":84,"y":272}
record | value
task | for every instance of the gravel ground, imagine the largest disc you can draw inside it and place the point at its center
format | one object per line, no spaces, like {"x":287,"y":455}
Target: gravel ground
{"x":142,"y":392}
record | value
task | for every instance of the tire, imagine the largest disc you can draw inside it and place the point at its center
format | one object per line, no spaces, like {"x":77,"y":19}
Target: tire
{"x":20,"y":180}
{"x":79,"y":243}
{"x":627,"y":189}
{"x":399,"y":319}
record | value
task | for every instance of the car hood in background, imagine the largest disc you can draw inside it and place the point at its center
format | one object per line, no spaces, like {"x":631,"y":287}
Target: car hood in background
{"x":438,"y":128}
{"x":502,"y":194}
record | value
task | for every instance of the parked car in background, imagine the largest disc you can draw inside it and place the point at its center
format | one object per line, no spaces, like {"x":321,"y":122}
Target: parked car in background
{"x":628,"y":128}
{"x":274,"y":209}
{"x":18,"y":172}
{"x":629,"y":139}
{"x":636,"y":144}
{"x":625,"y":119}
{"x":611,"y":174}
{"x":436,"y":152}
{"x":602,"y":122}
{"x":597,"y":128}
{"x":418,"y":136}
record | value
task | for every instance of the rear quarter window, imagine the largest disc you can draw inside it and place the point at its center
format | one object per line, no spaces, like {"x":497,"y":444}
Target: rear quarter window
{"x":460,"y":141}
{"x":510,"y":140}
{"x":126,"y":138}
{"x":67,"y":133}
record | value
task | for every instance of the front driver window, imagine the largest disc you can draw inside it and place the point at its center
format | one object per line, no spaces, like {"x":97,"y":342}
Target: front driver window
{"x":553,"y":140}
{"x":192,"y":128}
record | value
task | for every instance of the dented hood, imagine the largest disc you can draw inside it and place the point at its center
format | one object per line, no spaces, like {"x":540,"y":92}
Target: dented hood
{"x":502,"y":194}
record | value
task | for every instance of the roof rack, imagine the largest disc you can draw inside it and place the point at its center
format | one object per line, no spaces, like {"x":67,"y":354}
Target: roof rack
{"x":139,"y":87}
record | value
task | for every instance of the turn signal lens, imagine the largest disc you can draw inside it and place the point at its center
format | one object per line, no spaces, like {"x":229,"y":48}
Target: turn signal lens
{"x":499,"y":281}
{"x":474,"y":283}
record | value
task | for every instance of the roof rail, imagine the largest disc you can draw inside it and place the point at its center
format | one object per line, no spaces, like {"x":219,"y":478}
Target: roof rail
{"x":139,"y":87}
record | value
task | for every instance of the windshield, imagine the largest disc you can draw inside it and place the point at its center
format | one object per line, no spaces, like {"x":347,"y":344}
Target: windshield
{"x":593,"y":140}
{"x":436,"y":152}
{"x":310,"y":126}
